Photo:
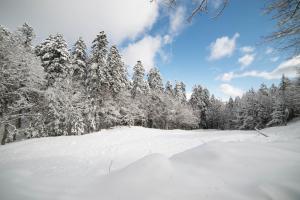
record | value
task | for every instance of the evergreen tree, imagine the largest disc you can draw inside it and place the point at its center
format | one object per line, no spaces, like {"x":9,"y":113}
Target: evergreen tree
{"x":169,"y":89}
{"x":249,"y":110}
{"x":55,"y":58}
{"x":155,"y":80}
{"x":98,"y":72}
{"x":215,"y":114}
{"x":79,"y":61}
{"x":139,"y":86}
{"x":200,"y":102}
{"x":278,"y":115}
{"x":179,"y":91}
{"x":229,"y":114}
{"x":296,"y":99}
{"x":287,"y":92}
{"x":28,"y":34}
{"x":117,"y":72}
{"x":264,"y":106}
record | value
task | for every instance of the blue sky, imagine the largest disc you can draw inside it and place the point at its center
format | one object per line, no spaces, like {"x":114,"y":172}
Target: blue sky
{"x":191,"y":48}
{"x":226,"y":54}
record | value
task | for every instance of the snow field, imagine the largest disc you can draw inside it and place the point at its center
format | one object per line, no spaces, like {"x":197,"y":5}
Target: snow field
{"x":139,"y":163}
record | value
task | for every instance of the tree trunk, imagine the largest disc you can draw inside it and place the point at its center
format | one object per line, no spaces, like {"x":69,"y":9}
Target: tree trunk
{"x":5,"y":134}
{"x":5,"y":130}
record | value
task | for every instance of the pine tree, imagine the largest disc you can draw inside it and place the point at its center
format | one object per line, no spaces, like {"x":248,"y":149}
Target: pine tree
{"x":179,"y":91}
{"x":278,"y":115}
{"x":139,"y":86}
{"x":229,"y":114}
{"x":117,"y":72}
{"x":200,"y":102}
{"x":264,"y":106}
{"x":100,"y":49}
{"x":215,"y":114}
{"x":169,"y":89}
{"x":79,"y":61}
{"x":183,"y":88}
{"x":249,"y":110}
{"x":55,"y":58}
{"x":28,"y":34}
{"x":155,"y":80}
{"x":98,"y":71}
{"x":296,"y":99}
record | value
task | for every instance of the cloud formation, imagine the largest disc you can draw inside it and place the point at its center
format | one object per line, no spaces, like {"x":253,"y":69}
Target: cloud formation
{"x":121,"y":20}
{"x":223,"y":47}
{"x":247,"y":49}
{"x":246,"y":60}
{"x":231,"y":91}
{"x":288,"y":68}
{"x":145,"y":50}
{"x":149,"y":47}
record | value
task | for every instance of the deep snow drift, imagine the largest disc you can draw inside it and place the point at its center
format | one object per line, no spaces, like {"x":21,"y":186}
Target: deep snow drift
{"x":139,"y":163}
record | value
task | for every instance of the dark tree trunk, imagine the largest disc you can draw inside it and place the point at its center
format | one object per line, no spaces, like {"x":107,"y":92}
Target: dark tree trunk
{"x":5,"y":132}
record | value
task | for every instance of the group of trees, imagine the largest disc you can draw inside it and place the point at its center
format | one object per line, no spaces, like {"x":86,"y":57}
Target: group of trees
{"x":49,"y":90}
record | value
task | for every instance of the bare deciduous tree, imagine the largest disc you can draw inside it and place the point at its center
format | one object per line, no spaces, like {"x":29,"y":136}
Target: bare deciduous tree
{"x":201,"y":6}
{"x":287,"y":15}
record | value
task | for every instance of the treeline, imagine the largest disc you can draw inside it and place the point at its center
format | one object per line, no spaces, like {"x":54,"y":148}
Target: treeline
{"x":49,"y":90}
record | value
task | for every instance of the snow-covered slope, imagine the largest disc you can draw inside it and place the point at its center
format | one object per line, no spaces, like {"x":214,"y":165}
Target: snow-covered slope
{"x":139,"y":163}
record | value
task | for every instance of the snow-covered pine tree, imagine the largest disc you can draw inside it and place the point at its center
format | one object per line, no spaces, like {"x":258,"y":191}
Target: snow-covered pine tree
{"x":264,"y":106}
{"x":118,"y":80}
{"x":287,"y":91}
{"x":100,"y":49}
{"x":79,"y":61}
{"x":55,"y":58}
{"x":215,"y":114}
{"x":183,"y":88}
{"x":155,"y":80}
{"x":139,"y":86}
{"x":296,"y":100}
{"x":179,"y":91}
{"x":97,"y":83}
{"x":98,"y":72}
{"x":229,"y":114}
{"x":200,"y":102}
{"x":249,"y":110}
{"x":237,"y":113}
{"x":28,"y":34}
{"x":278,"y":115}
{"x":169,"y":90}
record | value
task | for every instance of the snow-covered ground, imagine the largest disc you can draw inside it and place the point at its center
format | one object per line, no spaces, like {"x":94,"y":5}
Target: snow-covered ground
{"x":138,"y":163}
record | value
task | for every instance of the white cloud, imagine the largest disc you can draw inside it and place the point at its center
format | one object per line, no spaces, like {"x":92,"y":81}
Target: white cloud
{"x":288,"y":68}
{"x":226,"y":76}
{"x":247,"y":49}
{"x":167,"y":39}
{"x":269,"y":50}
{"x":121,"y":20}
{"x":223,"y":47}
{"x":246,"y":60}
{"x":230,"y":90}
{"x":145,"y":50}
{"x":149,"y":47}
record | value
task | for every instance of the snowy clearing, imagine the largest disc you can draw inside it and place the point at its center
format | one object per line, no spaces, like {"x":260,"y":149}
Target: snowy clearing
{"x":139,"y":163}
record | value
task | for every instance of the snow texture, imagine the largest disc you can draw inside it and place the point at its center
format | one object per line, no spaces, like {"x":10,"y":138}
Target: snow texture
{"x":139,"y":163}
